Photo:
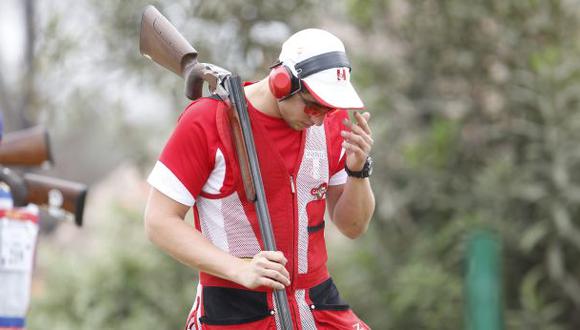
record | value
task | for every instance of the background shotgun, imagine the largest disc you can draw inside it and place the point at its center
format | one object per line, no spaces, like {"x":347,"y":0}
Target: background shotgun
{"x":46,"y":192}
{"x":56,"y":193}
{"x":26,"y":147}
{"x":161,"y":42}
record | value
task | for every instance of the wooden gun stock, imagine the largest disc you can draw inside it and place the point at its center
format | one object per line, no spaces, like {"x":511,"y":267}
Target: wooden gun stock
{"x":27,"y":147}
{"x":59,"y":193}
{"x":161,"y":42}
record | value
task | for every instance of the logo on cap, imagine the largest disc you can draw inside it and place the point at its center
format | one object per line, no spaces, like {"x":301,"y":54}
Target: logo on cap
{"x":341,"y":74}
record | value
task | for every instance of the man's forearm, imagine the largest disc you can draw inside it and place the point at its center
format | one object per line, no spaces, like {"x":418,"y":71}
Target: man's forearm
{"x":190,"y":247}
{"x":354,"y":208}
{"x":165,"y":228}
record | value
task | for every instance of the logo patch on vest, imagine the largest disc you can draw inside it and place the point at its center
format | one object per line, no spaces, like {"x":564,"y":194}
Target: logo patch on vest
{"x":320,"y":191}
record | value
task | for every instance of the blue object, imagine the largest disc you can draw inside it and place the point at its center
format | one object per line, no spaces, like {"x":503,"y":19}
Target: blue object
{"x":12,"y":322}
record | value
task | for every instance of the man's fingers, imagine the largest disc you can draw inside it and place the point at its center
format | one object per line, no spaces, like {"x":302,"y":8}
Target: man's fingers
{"x":357,"y":131}
{"x":355,"y":148}
{"x":278,"y":268}
{"x":275,"y":275}
{"x":361,"y":128}
{"x":273,"y":265}
{"x":276,"y":256}
{"x":365,"y":141}
{"x":264,"y":281}
{"x":275,"y":261}
{"x":362,"y":121}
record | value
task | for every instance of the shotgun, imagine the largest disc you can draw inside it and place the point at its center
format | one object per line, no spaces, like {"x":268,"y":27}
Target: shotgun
{"x":44,"y":191}
{"x":161,"y":42}
{"x":57,"y":194}
{"x":15,"y":184}
{"x":26,"y":147}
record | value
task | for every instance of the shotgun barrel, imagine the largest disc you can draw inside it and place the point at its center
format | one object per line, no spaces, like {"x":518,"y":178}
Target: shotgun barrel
{"x":238,"y":100}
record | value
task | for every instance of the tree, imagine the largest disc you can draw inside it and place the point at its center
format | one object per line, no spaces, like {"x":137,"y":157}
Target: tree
{"x":480,"y":131}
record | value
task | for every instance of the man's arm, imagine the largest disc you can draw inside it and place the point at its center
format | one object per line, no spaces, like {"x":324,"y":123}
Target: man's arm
{"x":352,"y":204}
{"x":165,"y":227}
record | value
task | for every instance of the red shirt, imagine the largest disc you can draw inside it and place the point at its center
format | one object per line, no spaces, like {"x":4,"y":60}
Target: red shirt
{"x":286,"y":140}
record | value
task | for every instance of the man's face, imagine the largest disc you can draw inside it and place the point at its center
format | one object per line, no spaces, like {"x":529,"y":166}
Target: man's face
{"x":301,"y":111}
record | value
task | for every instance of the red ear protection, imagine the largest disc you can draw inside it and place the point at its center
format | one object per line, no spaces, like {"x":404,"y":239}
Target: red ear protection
{"x":281,"y":81}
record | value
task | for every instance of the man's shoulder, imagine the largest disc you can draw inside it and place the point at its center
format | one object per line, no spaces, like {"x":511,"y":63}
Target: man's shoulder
{"x":202,"y":111}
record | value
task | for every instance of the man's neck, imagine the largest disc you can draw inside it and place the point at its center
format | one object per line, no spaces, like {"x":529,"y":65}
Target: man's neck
{"x":262,"y":99}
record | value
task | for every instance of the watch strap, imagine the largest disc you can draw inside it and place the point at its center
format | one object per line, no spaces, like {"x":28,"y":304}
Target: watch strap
{"x":364,"y":173}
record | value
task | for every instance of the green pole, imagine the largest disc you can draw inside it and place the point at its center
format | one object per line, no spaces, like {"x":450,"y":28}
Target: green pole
{"x":483,"y":282}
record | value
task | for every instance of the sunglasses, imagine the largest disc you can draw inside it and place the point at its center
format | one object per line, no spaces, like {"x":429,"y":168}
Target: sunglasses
{"x":315,"y":109}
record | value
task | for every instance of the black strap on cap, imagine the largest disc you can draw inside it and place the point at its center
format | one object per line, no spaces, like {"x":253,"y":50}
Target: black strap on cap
{"x":322,"y":62}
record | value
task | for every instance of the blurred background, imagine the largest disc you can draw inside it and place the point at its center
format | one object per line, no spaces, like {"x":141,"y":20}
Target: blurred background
{"x":476,"y":125}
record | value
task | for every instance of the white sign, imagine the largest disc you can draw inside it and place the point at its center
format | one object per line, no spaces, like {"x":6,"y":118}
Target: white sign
{"x":17,"y":244}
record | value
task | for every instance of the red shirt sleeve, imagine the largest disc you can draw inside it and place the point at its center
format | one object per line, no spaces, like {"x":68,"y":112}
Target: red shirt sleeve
{"x":188,"y":157}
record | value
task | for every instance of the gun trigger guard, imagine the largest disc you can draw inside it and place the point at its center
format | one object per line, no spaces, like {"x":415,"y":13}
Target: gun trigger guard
{"x":222,"y":92}
{"x":215,"y":77}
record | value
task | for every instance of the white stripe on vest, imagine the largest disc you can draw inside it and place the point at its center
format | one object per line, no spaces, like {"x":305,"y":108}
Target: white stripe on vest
{"x":312,"y":173}
{"x":225,"y":224}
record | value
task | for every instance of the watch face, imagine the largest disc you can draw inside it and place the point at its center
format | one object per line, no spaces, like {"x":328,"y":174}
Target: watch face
{"x":366,"y":171}
{"x":370,"y":165}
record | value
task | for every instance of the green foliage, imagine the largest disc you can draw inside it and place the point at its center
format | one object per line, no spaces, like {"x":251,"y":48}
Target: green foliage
{"x":483,"y":133}
{"x":436,"y":148}
{"x":419,"y":301}
{"x":122,"y":282}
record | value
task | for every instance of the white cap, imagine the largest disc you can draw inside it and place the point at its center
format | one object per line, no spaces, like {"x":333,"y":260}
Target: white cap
{"x":329,"y":86}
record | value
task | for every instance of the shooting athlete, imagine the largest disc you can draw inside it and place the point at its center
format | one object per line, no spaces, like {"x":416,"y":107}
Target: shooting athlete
{"x":312,"y":158}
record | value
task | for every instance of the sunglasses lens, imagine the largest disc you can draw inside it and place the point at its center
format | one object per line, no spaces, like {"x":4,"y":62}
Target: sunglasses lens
{"x":316,"y":110}
{"x":310,"y":110}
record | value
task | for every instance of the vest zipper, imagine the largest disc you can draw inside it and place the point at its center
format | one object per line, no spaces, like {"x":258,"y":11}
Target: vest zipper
{"x":294,"y":236}
{"x":292,"y":187}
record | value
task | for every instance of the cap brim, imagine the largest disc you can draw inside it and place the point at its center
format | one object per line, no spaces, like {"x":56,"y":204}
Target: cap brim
{"x":330,"y":91}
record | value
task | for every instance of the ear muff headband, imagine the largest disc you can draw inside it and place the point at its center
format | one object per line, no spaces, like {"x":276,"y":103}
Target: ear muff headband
{"x":321,"y":62}
{"x":284,"y":84}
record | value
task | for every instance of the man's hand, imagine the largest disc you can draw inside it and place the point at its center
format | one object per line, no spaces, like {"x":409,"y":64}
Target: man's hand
{"x":358,"y":142}
{"x":265,"y":269}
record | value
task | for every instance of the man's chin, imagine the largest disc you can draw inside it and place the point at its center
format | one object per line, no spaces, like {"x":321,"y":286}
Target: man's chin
{"x":298,"y":126}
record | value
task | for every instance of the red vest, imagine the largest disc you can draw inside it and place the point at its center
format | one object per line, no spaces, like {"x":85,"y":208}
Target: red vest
{"x":296,"y":203}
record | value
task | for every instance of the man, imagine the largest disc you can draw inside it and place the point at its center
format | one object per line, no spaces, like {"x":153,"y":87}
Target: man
{"x":311,"y":158}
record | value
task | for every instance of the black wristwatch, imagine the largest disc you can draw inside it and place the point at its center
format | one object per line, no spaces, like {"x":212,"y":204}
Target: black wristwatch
{"x":366,"y":171}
